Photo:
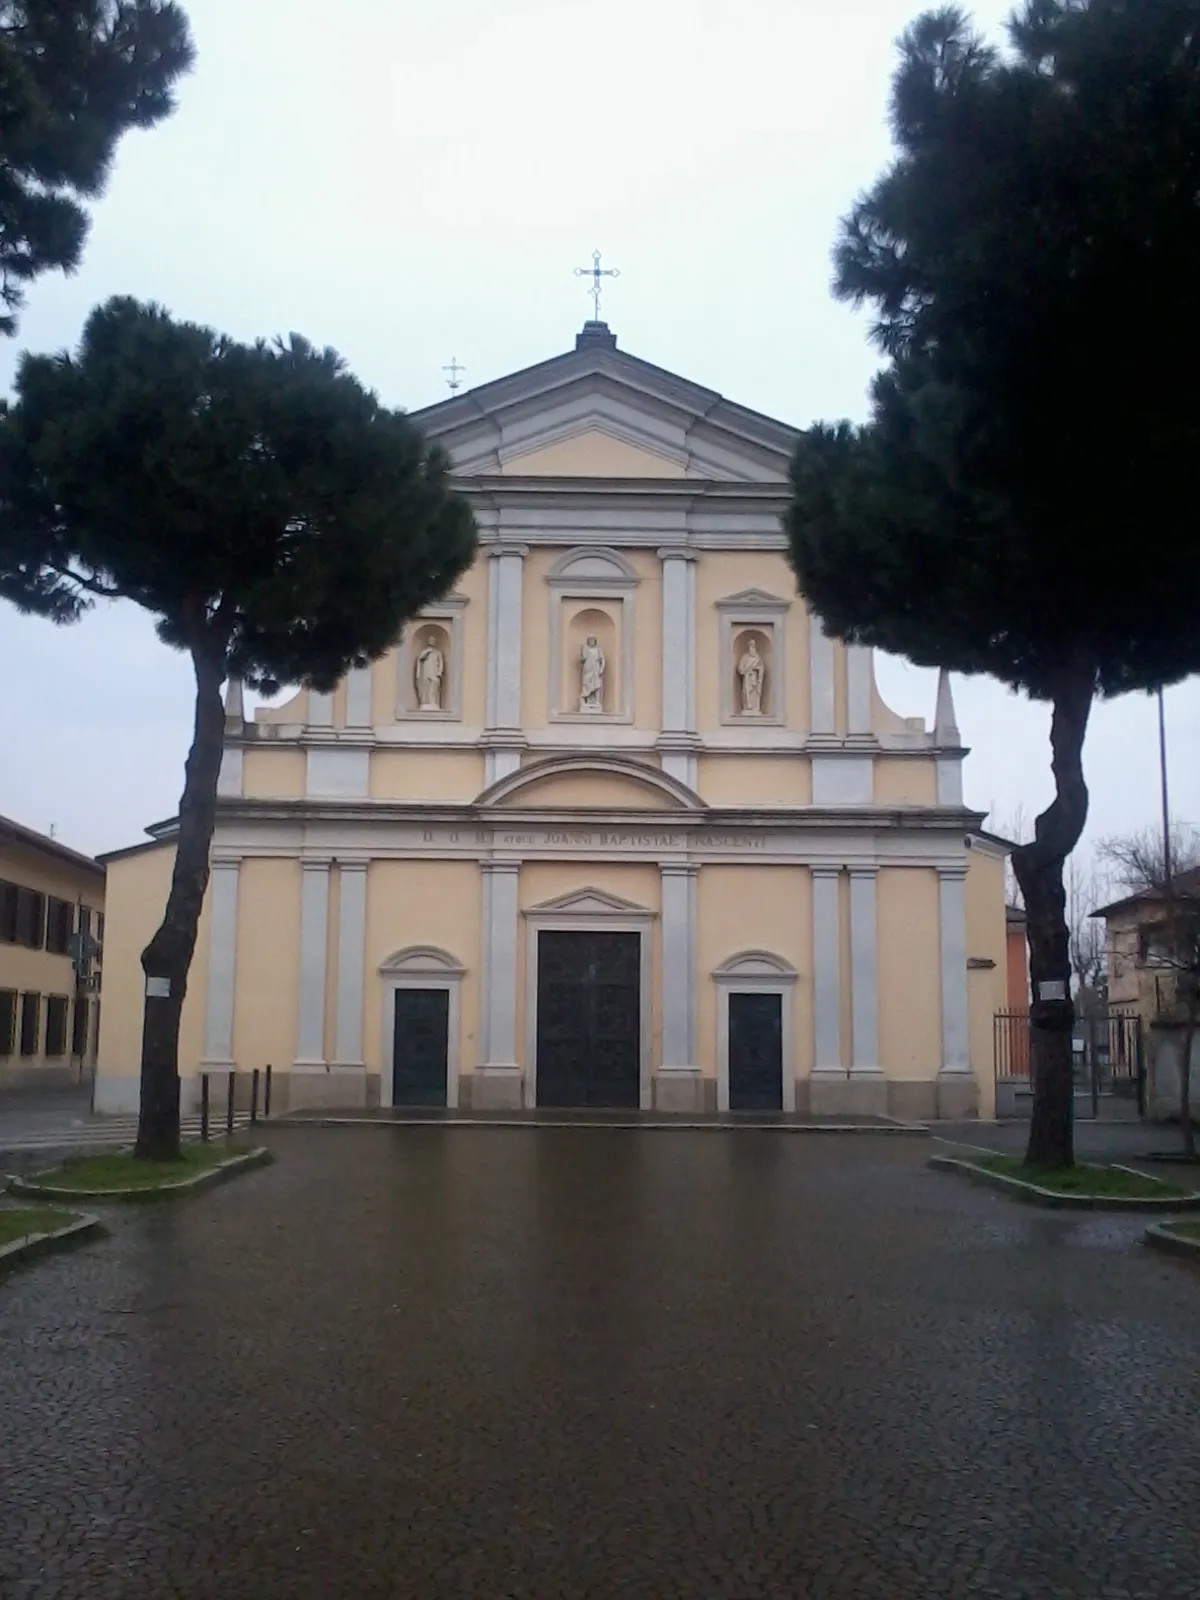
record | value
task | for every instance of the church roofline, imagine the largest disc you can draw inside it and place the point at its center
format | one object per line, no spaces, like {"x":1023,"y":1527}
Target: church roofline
{"x":479,"y":405}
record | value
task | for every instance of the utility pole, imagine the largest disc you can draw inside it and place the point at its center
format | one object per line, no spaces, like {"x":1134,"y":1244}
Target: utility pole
{"x":1166,"y":810}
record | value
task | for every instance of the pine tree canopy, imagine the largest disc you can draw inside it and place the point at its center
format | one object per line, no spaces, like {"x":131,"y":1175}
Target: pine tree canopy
{"x":270,"y":513}
{"x":74,"y":76}
{"x":1023,"y":498}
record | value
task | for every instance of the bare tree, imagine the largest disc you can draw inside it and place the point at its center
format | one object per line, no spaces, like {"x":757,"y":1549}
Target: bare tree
{"x":1169,"y":938}
{"x":1086,"y":889}
{"x":1016,"y":827}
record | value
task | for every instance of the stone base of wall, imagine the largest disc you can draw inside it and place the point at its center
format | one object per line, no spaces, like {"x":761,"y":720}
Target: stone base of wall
{"x":957,"y":1096}
{"x":683,"y":1090}
{"x":494,"y":1089}
{"x":912,"y":1102}
{"x":335,"y":1089}
{"x":845,"y":1094}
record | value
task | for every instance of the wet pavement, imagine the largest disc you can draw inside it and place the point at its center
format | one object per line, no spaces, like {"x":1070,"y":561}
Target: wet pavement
{"x":538,"y":1364}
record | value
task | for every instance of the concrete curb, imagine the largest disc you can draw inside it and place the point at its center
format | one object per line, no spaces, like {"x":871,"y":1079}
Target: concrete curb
{"x":682,"y":1125}
{"x":29,"y":1188}
{"x":1033,"y":1194}
{"x":43,"y":1244}
{"x":1160,"y":1237}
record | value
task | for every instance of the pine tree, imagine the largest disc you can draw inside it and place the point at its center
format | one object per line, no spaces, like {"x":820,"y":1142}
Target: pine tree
{"x":1022,"y":500}
{"x":277,"y":521}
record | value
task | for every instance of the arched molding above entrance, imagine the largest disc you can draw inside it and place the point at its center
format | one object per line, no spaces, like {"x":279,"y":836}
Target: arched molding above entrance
{"x":653,"y":779}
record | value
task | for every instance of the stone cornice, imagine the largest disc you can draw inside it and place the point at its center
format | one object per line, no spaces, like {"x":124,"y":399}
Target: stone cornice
{"x":841,"y":818}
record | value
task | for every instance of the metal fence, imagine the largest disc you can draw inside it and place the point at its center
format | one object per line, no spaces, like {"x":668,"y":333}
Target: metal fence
{"x":1107,"y":1048}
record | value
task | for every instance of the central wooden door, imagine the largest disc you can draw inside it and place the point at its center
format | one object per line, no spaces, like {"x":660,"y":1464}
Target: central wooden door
{"x":420,"y":1047}
{"x":755,"y":1052}
{"x":589,"y":1011}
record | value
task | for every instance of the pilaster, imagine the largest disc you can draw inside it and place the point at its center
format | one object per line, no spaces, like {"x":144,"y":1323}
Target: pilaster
{"x":314,"y":924}
{"x":822,"y":718}
{"x":358,"y":697}
{"x":827,"y":982}
{"x":958,"y":1093}
{"x":222,"y":964}
{"x":352,"y":931}
{"x":864,"y":1003}
{"x":678,"y":1084}
{"x":503,"y":739}
{"x":498,"y":1079}
{"x":858,"y":688}
{"x":678,"y":641}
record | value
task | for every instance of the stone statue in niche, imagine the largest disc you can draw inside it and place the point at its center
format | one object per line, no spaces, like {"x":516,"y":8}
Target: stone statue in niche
{"x":430,"y":671}
{"x":751,"y":670}
{"x":591,"y":676}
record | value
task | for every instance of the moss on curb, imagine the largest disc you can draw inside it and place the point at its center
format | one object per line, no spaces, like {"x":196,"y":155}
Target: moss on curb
{"x":42,"y":1185}
{"x":50,"y":1230}
{"x":1035,"y":1194}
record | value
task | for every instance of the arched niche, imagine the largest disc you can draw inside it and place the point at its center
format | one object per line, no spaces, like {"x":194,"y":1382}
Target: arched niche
{"x":591,"y":596}
{"x":752,"y":690}
{"x":439,"y":627}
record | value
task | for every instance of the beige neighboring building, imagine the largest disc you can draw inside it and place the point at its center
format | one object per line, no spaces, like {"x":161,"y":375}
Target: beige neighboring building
{"x":616,"y":825}
{"x":48,"y":1016}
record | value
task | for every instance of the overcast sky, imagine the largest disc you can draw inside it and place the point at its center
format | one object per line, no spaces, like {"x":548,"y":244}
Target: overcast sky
{"x":411,"y":182}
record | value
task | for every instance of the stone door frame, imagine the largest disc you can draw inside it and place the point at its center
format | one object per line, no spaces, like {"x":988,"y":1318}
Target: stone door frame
{"x":757,"y":972}
{"x":420,"y":966}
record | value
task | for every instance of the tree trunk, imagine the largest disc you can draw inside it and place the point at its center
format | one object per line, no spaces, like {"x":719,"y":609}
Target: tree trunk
{"x":1185,"y":1085}
{"x":168,"y":957}
{"x":1039,"y":871}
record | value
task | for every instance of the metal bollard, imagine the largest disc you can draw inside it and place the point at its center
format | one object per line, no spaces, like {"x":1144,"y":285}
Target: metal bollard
{"x":204,"y":1107}
{"x":229,"y":1107}
{"x":254,"y":1096}
{"x":267,"y":1093}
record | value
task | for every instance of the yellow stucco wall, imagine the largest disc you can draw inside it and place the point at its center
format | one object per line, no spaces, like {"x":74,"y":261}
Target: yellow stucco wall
{"x":755,"y":780}
{"x":415,"y":903}
{"x":425,"y":774}
{"x":547,"y":880}
{"x":909,"y":973}
{"x":41,"y":971}
{"x":273,"y":773}
{"x":720,"y":574}
{"x":592,"y":455}
{"x":987,"y":988}
{"x":753,"y":908}
{"x":900,"y":781}
{"x":292,"y":710}
{"x":266,"y":988}
{"x":136,"y":898}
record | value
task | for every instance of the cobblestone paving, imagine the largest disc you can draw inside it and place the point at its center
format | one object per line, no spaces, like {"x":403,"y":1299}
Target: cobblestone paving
{"x":486,"y":1363}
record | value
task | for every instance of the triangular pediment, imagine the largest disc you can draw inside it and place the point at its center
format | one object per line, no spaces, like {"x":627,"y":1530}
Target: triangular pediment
{"x":753,"y":600}
{"x":589,"y":903}
{"x":597,"y":412}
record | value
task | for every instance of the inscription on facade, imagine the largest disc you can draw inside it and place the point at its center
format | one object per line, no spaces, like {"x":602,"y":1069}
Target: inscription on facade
{"x":630,"y":839}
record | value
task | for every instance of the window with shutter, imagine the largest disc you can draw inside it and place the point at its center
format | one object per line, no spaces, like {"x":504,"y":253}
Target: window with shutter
{"x":8,"y":1021}
{"x":56,"y":1025}
{"x":31,"y":1021}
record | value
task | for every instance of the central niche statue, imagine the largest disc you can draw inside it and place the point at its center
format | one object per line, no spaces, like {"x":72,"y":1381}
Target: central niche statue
{"x":591,"y":676}
{"x":430,"y":670}
{"x":751,"y":670}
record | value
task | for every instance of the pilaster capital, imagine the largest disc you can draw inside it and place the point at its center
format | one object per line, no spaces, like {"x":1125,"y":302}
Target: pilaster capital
{"x":672,"y":552}
{"x":508,"y":548}
{"x":825,"y":870}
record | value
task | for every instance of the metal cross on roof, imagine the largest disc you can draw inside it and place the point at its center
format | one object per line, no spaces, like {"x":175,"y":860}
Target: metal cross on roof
{"x":453,"y":381}
{"x":595,"y":272}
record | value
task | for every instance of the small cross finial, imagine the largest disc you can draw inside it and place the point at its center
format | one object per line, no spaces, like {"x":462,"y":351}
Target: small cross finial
{"x":453,"y":381}
{"x":595,"y":272}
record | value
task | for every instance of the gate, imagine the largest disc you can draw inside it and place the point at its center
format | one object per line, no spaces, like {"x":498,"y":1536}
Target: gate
{"x":1110,"y":1070}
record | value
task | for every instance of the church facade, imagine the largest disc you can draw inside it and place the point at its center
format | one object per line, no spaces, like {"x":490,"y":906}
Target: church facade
{"x":617,"y":824}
